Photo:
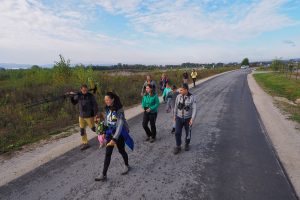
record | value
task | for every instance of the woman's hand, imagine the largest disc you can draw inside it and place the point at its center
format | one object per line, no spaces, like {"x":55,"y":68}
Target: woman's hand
{"x":111,"y":143}
{"x":148,"y":110}
{"x":191,"y":122}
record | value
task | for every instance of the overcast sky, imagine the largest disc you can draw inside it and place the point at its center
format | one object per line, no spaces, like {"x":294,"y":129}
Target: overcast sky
{"x":148,"y":32}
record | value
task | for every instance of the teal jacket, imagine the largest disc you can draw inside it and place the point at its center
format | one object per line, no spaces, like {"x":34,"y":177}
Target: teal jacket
{"x":166,"y":91}
{"x":151,"y":102}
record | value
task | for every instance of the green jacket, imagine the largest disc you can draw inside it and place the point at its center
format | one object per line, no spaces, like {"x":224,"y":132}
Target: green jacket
{"x":151,"y":102}
{"x":166,"y":91}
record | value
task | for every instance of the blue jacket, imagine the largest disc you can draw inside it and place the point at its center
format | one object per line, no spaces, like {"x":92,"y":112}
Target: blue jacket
{"x":117,"y":126}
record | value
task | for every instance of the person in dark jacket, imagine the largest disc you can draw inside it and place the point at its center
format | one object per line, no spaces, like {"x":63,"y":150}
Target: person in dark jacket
{"x":117,"y":133}
{"x":88,"y":110}
{"x":185,"y":76}
{"x":147,"y":82}
{"x":163,"y":83}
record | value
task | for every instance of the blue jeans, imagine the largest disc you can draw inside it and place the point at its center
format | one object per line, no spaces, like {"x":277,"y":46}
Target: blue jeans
{"x":180,"y":123}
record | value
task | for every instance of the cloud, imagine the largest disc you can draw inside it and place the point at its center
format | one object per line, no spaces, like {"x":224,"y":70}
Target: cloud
{"x":290,"y":42}
{"x":118,"y":6}
{"x":35,"y":32}
{"x":188,"y":20}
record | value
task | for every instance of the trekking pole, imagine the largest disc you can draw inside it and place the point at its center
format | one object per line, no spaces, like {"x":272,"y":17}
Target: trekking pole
{"x":190,"y":133}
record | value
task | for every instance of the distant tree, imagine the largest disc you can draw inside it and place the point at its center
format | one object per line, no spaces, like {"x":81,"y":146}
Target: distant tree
{"x":245,"y":61}
{"x":62,"y":70}
{"x":276,"y":65}
{"x":35,"y":67}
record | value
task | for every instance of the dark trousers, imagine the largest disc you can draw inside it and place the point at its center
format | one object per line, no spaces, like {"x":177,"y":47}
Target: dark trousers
{"x":182,"y":123}
{"x":109,"y":150}
{"x":194,"y":81}
{"x":152,"y":118}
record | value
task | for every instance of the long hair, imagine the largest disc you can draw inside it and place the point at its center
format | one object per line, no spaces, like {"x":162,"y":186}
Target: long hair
{"x":151,"y":87}
{"x":116,"y":103}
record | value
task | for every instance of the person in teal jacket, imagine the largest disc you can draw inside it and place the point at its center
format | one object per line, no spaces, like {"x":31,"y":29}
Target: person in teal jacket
{"x":150,"y":104}
{"x":166,"y":91}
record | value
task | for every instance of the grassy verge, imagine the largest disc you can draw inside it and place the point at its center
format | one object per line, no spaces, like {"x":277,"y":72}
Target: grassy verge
{"x":20,"y":126}
{"x":278,"y":85}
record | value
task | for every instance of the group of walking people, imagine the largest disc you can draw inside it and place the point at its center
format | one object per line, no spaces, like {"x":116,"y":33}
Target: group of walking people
{"x":180,"y":103}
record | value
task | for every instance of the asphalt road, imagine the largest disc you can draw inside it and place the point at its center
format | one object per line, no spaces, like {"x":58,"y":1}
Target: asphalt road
{"x":230,"y":158}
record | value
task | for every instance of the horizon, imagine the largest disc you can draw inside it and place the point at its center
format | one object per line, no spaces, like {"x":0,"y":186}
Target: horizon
{"x":149,"y":33}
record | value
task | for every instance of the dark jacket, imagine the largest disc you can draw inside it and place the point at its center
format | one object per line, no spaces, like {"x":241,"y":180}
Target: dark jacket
{"x":185,"y":75}
{"x":88,"y":106}
{"x":151,"y":83}
{"x":163,"y":83}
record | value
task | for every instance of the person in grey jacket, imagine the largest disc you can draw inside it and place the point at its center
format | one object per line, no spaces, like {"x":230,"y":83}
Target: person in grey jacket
{"x":185,"y":111}
{"x":151,"y":82}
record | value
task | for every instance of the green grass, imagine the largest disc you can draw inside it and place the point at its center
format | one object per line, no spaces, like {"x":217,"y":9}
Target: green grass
{"x":278,"y":85}
{"x":20,"y":126}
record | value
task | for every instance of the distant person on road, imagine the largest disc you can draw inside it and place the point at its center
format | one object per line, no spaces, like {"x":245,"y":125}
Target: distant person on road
{"x":88,"y":110}
{"x":167,"y":97}
{"x":116,"y":133}
{"x":147,"y":82}
{"x":150,"y":104}
{"x":185,"y":77}
{"x":165,"y":92}
{"x":184,"y":116}
{"x":171,"y":103}
{"x":194,"y":76}
{"x":163,"y":82}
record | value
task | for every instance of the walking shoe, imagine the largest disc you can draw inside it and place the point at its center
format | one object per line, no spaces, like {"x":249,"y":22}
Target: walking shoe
{"x":152,"y":140}
{"x":187,"y":147}
{"x":84,"y":147}
{"x":101,"y":178}
{"x":125,"y":170}
{"x":177,"y":150}
{"x":147,"y":139}
{"x":173,"y":130}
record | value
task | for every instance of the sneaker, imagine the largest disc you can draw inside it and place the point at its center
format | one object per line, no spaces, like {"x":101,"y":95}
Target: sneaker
{"x":152,"y":140}
{"x":84,"y":147}
{"x":147,"y":139}
{"x":187,"y":147}
{"x":177,"y":150}
{"x":101,"y":178}
{"x":173,"y":131}
{"x":125,"y":170}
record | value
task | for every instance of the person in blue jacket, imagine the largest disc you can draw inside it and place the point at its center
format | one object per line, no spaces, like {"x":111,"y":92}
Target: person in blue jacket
{"x":116,"y":133}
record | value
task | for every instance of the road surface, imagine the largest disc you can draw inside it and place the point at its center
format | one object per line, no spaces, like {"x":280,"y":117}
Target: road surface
{"x":230,"y":158}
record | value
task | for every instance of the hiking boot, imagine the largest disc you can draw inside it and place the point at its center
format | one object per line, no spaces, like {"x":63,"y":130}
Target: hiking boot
{"x":173,"y":131}
{"x":101,"y":178}
{"x":177,"y":150}
{"x":125,"y":170}
{"x":84,"y":147}
{"x":147,"y":139}
{"x":187,"y":147}
{"x":152,"y":140}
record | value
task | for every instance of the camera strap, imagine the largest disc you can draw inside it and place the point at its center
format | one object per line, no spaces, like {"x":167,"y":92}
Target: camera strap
{"x":183,"y":102}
